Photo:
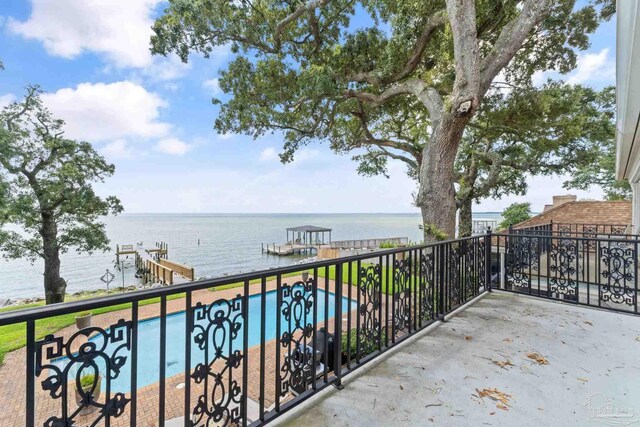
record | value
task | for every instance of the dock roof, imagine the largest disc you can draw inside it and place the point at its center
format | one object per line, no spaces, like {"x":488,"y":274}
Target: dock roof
{"x":308,"y":228}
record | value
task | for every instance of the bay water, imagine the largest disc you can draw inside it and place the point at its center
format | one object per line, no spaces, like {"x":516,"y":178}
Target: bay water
{"x":214,"y":244}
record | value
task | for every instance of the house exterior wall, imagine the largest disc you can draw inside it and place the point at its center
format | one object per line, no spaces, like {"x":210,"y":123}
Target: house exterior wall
{"x":628,"y":99}
{"x":635,"y":215}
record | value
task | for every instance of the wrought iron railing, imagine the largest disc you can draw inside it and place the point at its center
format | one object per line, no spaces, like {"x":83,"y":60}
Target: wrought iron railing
{"x":236,"y":350}
{"x":481,"y":226}
{"x":591,"y":230}
{"x":575,"y":230}
{"x":577,"y":268}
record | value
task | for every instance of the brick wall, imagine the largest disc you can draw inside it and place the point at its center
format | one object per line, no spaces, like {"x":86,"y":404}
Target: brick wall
{"x":584,"y":212}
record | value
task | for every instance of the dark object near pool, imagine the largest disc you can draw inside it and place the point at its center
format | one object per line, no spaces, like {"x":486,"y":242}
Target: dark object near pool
{"x":317,"y":356}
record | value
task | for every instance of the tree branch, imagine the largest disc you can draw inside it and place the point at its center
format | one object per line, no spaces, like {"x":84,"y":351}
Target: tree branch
{"x":462,"y":16}
{"x":309,"y":6}
{"x":436,"y":20}
{"x":429,"y":97}
{"x":493,"y":175}
{"x":370,"y":139}
{"x":511,"y":39}
{"x":411,"y":162}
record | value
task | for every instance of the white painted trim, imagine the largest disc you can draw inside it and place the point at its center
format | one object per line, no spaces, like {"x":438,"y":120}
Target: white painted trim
{"x":628,"y":89}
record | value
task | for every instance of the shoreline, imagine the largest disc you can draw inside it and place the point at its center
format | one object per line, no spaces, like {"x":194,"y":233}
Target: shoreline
{"x":17,"y":303}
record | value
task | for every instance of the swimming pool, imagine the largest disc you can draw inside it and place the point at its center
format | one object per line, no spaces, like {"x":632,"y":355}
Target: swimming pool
{"x":149,"y":339}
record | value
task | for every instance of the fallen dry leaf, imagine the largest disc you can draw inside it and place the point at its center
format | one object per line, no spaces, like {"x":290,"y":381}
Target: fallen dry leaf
{"x":638,"y":339}
{"x":497,"y":395}
{"x":501,"y":406}
{"x":507,"y":340}
{"x":503,"y":363}
{"x":588,"y":323}
{"x":584,"y":380}
{"x":492,"y":413}
{"x":538,"y":358}
{"x":468,"y":337}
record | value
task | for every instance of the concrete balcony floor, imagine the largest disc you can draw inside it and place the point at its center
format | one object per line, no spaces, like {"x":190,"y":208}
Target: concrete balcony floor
{"x":592,"y":376}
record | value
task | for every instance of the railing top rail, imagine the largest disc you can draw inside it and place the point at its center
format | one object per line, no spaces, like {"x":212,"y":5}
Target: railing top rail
{"x":626,"y":238}
{"x":528,"y":227}
{"x":35,"y":313}
{"x":591,"y":223}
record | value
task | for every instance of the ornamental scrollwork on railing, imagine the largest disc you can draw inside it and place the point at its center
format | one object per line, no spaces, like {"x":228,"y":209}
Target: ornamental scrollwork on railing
{"x":401,"y":294}
{"x":590,"y":232}
{"x":426,"y":303}
{"x":482,"y":262}
{"x":619,"y":269}
{"x":100,"y":356}
{"x":618,"y":230}
{"x":522,"y":256}
{"x":562,"y":265}
{"x":470,"y":273}
{"x":564,"y":230}
{"x":297,"y":312}
{"x":370,"y":288}
{"x":453,"y":275}
{"x":215,"y":331}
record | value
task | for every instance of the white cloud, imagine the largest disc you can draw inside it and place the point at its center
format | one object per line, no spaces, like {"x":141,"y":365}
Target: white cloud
{"x":268,"y":154}
{"x":305,"y":155}
{"x":103,"y":112}
{"x":172,"y":146}
{"x":244,"y":188}
{"x":213,"y":85}
{"x":117,"y":29}
{"x":500,"y":83}
{"x":166,"y":68}
{"x":541,"y":190}
{"x":593,"y":67}
{"x":539,"y":78}
{"x":118,"y":149}
{"x":6,"y":99}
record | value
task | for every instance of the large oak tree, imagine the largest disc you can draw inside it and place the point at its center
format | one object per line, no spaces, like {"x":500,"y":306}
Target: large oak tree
{"x":556,"y":129}
{"x":47,"y":203}
{"x":342,"y":71}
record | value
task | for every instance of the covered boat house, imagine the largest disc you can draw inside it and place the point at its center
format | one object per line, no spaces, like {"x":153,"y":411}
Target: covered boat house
{"x":308,"y":235}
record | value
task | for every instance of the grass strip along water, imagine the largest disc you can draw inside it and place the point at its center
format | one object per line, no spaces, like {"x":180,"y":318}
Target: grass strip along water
{"x":14,"y":336}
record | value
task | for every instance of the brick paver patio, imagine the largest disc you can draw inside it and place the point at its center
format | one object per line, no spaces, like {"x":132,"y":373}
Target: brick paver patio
{"x":13,"y":384}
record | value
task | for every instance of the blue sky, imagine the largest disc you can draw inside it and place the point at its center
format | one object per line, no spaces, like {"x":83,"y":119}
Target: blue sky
{"x":153,"y":118}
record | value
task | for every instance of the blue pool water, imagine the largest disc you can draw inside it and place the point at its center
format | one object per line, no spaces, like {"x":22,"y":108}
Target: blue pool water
{"x":149,"y":339}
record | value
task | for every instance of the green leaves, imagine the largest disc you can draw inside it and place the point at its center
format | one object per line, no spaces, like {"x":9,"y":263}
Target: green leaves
{"x":514,"y":214}
{"x":555,"y":129}
{"x":45,"y":175}
{"x":304,"y":70}
{"x":377,"y":79}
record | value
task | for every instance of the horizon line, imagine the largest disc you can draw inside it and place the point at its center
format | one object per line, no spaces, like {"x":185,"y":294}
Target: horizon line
{"x":285,"y":213}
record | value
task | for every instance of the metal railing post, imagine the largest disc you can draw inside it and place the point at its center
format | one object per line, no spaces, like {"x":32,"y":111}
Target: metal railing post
{"x":337,"y":340}
{"x":441,"y":276}
{"x":487,"y":259}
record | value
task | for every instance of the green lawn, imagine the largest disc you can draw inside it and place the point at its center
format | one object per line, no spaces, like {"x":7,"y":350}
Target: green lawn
{"x":386,"y":289}
{"x":13,"y":336}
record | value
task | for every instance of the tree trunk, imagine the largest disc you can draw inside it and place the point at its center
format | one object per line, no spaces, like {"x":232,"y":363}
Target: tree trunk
{"x":465,"y":226}
{"x":436,"y":193}
{"x":54,"y":285}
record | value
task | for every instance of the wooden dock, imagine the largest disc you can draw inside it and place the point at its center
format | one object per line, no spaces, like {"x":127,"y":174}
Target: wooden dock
{"x":369,"y":243}
{"x":152,"y":265}
{"x":298,"y":249}
{"x":288,"y":249}
{"x":303,"y":239}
